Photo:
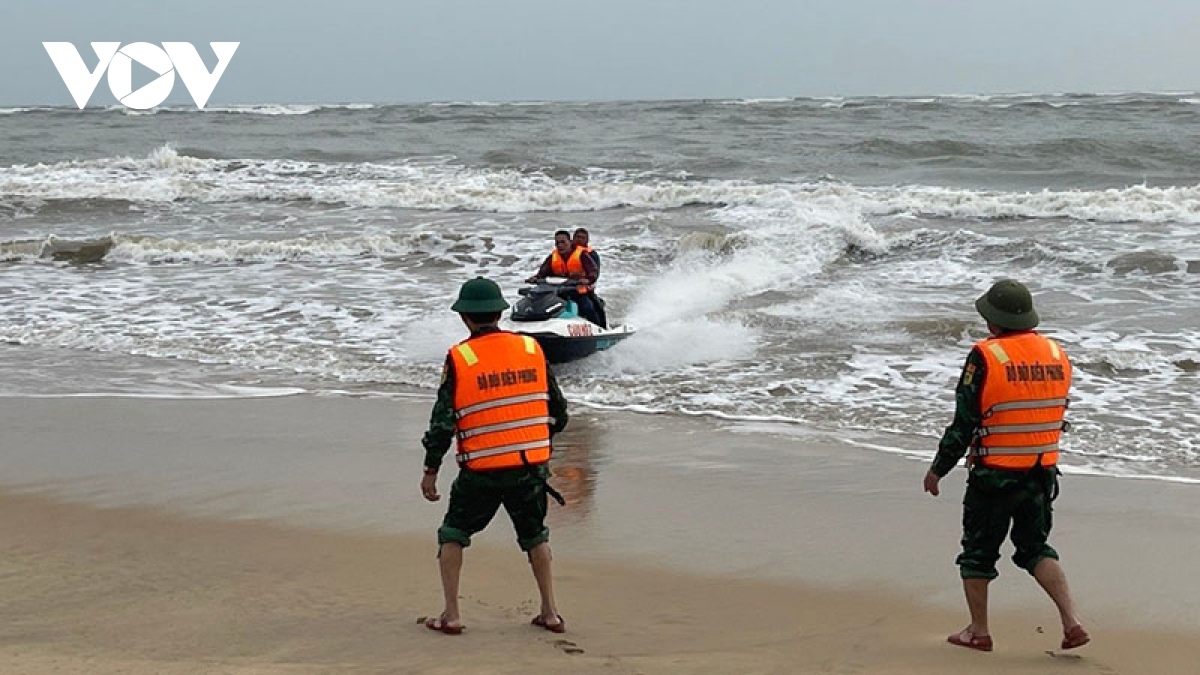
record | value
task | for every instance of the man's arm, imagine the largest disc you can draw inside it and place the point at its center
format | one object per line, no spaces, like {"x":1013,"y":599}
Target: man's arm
{"x":589,"y":268}
{"x":545,"y":270}
{"x":967,"y":417}
{"x":440,"y":435}
{"x":558,"y":403}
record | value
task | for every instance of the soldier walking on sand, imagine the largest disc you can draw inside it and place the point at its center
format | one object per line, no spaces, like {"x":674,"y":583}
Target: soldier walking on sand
{"x":1011,"y":399}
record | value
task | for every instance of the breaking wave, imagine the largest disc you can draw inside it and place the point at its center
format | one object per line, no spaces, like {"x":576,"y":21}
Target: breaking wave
{"x":165,"y":176}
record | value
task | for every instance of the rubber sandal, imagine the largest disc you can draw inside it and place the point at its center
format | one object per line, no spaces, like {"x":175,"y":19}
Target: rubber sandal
{"x":435,"y":623}
{"x":967,"y":639}
{"x":560,"y":627}
{"x":1077,"y":636}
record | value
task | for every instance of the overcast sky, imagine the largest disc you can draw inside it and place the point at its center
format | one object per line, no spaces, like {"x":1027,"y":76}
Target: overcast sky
{"x":505,"y":50}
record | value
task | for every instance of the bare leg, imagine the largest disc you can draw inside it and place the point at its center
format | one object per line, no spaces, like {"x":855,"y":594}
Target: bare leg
{"x":1053,"y":580}
{"x":539,"y":559}
{"x":450,"y":559}
{"x":976,"y":591}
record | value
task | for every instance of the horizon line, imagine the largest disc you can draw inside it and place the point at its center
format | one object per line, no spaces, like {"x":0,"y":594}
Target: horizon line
{"x":552,"y":101}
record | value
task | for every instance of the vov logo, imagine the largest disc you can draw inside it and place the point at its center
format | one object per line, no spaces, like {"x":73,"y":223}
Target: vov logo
{"x":172,"y":57}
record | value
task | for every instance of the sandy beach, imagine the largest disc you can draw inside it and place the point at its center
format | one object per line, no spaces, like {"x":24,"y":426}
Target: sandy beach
{"x":287,"y":535}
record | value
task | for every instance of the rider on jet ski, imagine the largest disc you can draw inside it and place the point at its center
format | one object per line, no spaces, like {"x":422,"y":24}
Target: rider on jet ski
{"x":570,"y":261}
{"x":581,"y":237}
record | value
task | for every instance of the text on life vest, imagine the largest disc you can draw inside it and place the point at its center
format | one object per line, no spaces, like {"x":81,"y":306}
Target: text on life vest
{"x":1036,"y":372}
{"x":505,"y":378}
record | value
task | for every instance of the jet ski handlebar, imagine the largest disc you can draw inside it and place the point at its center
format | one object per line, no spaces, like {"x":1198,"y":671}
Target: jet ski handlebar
{"x":559,"y":283}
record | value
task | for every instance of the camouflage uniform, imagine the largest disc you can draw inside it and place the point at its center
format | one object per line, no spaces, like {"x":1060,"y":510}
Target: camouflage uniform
{"x":475,"y":496}
{"x":994,"y":497}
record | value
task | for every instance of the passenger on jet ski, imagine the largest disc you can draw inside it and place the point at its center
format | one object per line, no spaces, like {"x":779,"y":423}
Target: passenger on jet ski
{"x":581,"y":237}
{"x":570,"y":261}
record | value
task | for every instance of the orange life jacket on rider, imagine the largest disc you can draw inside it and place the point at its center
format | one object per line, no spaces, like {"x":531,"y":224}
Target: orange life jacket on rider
{"x":1023,"y":401}
{"x":590,"y":252}
{"x":501,"y":402}
{"x":572,"y":265}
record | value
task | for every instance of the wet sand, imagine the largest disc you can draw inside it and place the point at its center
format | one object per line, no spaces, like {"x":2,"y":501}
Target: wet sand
{"x":287,"y":536}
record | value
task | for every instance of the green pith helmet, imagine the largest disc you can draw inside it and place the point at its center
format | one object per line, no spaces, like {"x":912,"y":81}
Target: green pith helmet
{"x":479,"y":295}
{"x":1009,"y":305}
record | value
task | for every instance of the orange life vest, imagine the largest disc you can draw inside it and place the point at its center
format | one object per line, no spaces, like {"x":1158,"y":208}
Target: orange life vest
{"x":501,"y":402}
{"x":1023,"y":401}
{"x":572,"y":265}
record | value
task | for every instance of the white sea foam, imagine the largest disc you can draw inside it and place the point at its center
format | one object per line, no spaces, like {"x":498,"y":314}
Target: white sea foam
{"x":496,"y":104}
{"x":270,"y":109}
{"x":677,"y":342}
{"x":285,"y":109}
{"x":806,"y":303}
{"x":165,"y":176}
{"x":705,"y":349}
{"x":148,"y":249}
{"x":1131,"y":204}
{"x":1110,"y":471}
{"x":215,"y":392}
{"x":757,"y":101}
{"x":1070,"y":465}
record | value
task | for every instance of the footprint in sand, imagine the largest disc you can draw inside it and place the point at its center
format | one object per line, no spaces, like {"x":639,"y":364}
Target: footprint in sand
{"x":568,"y":646}
{"x":1096,"y":667}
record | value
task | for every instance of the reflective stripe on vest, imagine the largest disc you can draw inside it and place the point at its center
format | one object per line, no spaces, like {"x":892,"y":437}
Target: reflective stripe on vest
{"x":1020,"y":428}
{"x":467,"y":457}
{"x":1027,"y":405}
{"x":487,"y":405}
{"x":1019,"y":450}
{"x":468,"y":354}
{"x":1023,"y":400}
{"x":501,"y":402}
{"x":505,"y":426}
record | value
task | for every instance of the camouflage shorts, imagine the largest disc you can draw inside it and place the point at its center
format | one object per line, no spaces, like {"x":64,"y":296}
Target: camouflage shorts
{"x":996,"y":500}
{"x":475,"y":497}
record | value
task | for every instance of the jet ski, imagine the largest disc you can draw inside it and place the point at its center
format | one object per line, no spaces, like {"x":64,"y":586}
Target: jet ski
{"x":546,"y":314}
